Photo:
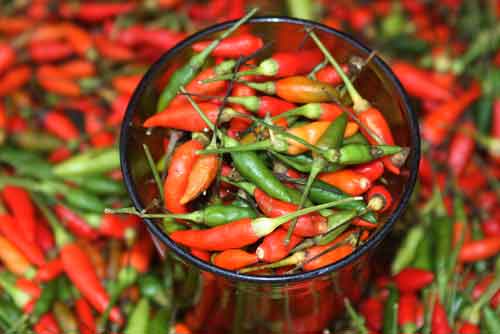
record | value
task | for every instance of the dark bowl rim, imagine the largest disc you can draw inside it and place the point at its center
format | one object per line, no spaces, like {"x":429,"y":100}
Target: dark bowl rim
{"x":231,"y":275}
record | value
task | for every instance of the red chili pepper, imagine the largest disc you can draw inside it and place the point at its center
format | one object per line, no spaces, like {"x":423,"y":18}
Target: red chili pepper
{"x":380,"y":192}
{"x":118,"y":108}
{"x":439,"y":321}
{"x":264,"y":105}
{"x":371,"y":170}
{"x":76,"y":69}
{"x":491,"y":226}
{"x":139,"y":256}
{"x":177,"y":178}
{"x":419,"y":83}
{"x":79,"y":39}
{"x":197,"y":317}
{"x":468,"y":328}
{"x":477,"y":250}
{"x":126,"y":84}
{"x":307,"y":225}
{"x":81,"y":272}
{"x":201,"y":176}
{"x":116,"y":226}
{"x":184,"y":117}
{"x":7,"y":57}
{"x":95,"y":11}
{"x":60,"y":125}
{"x":113,"y":51}
{"x":328,"y":75}
{"x":197,"y":87}
{"x":273,"y":246}
{"x":8,"y":227}
{"x":51,"y":51}
{"x":14,"y":79}
{"x":205,"y":256}
{"x":233,"y":47}
{"x":413,"y":279}
{"x":19,"y":202}
{"x":60,"y":154}
{"x":461,"y":148}
{"x":13,"y":259}
{"x":49,"y":271}
{"x":407,"y":312}
{"x":76,"y":224}
{"x":372,"y":310}
{"x":86,"y":320}
{"x":487,"y":200}
{"x":361,"y":17}
{"x":234,"y":259}
{"x":348,"y":181}
{"x":208,"y":11}
{"x":44,"y":237}
{"x":47,"y":324}
{"x":436,"y":124}
{"x":328,"y":258}
{"x":29,"y":287}
{"x":59,"y":86}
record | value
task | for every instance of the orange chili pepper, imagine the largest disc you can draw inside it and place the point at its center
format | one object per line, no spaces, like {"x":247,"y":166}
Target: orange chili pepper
{"x":202,"y":175}
{"x":13,"y":259}
{"x":310,"y":132}
{"x":234,"y":259}
{"x":14,"y":79}
{"x":350,"y":182}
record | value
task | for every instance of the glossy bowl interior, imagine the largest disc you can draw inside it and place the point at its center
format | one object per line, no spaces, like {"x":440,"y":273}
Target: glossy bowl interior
{"x":376,"y":83}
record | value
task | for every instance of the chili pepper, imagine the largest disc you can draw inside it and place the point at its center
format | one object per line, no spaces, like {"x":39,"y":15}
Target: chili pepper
{"x":372,"y":310}
{"x":440,"y":323}
{"x":381,"y":193}
{"x":233,"y":47}
{"x":262,"y":105}
{"x":74,"y":223}
{"x":273,"y":248}
{"x":412,"y":279}
{"x":86,"y":321}
{"x":49,"y":271}
{"x":95,"y":11}
{"x":47,"y":325}
{"x":239,"y":233}
{"x":234,"y":259}
{"x":491,"y":321}
{"x":297,"y":89}
{"x":329,"y":75}
{"x":7,"y":57}
{"x":307,"y":225}
{"x":408,"y":248}
{"x":61,"y":126}
{"x":318,"y":111}
{"x":188,"y":71}
{"x":14,"y":79}
{"x":468,"y":328}
{"x":13,"y":259}
{"x":479,"y":249}
{"x":391,"y":308}
{"x":419,"y":83}
{"x":99,"y":184}
{"x":49,"y":51}
{"x":185,"y":117}
{"x":302,"y":162}
{"x":60,"y":86}
{"x":110,"y":50}
{"x":435,"y":125}
{"x":461,"y":148}
{"x":92,"y":161}
{"x":175,"y":184}
{"x":80,"y":40}
{"x":29,"y":248}
{"x":407,"y":313}
{"x":160,"y":321}
{"x":23,"y":211}
{"x":199,"y":88}
{"x":44,"y":237}
{"x":114,"y":226}
{"x":36,"y":141}
{"x":208,"y":11}
{"x":347,"y":181}
{"x":372,"y":170}
{"x":204,"y":306}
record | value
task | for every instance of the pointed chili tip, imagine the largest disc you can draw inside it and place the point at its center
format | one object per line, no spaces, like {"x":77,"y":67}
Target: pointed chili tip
{"x":399,"y":158}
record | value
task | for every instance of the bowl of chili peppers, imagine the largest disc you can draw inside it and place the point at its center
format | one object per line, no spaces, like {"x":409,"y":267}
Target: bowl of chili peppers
{"x":269,"y":149}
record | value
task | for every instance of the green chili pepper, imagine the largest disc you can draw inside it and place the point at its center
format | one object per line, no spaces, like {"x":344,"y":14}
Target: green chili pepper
{"x":322,"y":192}
{"x":491,"y":321}
{"x":84,"y":200}
{"x":96,"y":161}
{"x":36,"y":141}
{"x":408,"y":248}
{"x":390,"y":324}
{"x":161,"y":322}
{"x":302,"y":162}
{"x":214,"y":215}
{"x":152,"y":288}
{"x":252,"y":168}
{"x":44,"y":302}
{"x":26,"y":163}
{"x":442,"y":234}
{"x":356,"y":138}
{"x":186,"y":73}
{"x":99,"y":184}
{"x":354,"y":154}
{"x":241,"y":203}
{"x":139,"y":319}
{"x":423,"y":254}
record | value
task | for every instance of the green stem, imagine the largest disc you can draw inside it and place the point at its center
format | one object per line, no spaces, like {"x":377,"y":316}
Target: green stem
{"x":152,"y":166}
{"x":357,"y":320}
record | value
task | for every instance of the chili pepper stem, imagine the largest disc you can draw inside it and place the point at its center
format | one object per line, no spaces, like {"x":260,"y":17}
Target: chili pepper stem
{"x":151,"y":164}
{"x":291,"y":260}
{"x":359,"y":103}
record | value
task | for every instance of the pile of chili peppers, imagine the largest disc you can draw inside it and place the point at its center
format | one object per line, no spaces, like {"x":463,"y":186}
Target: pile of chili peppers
{"x":67,"y":70}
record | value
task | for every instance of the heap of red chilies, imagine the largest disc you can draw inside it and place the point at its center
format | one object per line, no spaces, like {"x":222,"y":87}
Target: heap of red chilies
{"x":66,"y":74}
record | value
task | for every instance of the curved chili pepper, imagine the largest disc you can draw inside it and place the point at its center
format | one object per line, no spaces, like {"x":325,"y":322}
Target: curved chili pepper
{"x":419,"y":83}
{"x":436,"y":124}
{"x":233,"y":47}
{"x":371,"y":170}
{"x":201,"y":176}
{"x":477,"y":250}
{"x":273,"y":248}
{"x":21,"y":206}
{"x":49,"y":271}
{"x":13,"y":259}
{"x":310,"y":132}
{"x":177,"y":178}
{"x":234,"y":259}
{"x":347,"y":181}
{"x":185,"y":117}
{"x":491,"y":226}
{"x":86,"y":321}
{"x":14,"y":79}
